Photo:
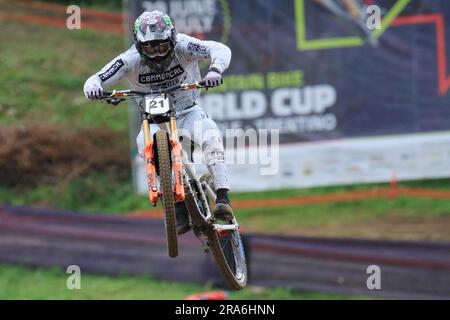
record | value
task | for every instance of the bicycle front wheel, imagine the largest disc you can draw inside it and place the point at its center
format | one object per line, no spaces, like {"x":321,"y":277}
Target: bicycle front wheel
{"x":168,"y":199}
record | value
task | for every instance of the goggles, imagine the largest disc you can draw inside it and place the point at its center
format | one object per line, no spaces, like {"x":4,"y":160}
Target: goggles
{"x":153,"y":50}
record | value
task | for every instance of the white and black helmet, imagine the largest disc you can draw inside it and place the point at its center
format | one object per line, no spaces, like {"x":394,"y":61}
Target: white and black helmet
{"x":155,"y":38}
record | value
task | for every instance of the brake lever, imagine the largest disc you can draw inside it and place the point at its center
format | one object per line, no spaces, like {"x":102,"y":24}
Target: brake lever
{"x":114,"y":101}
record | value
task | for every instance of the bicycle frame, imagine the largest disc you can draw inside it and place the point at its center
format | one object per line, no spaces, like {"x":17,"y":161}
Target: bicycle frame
{"x":179,"y":171}
{"x":207,"y":218}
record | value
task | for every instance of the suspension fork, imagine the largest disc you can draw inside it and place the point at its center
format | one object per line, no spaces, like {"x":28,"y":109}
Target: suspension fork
{"x":177,"y":163}
{"x":150,"y":163}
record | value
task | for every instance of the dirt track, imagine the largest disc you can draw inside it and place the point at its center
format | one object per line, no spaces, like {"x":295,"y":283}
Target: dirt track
{"x":112,"y":245}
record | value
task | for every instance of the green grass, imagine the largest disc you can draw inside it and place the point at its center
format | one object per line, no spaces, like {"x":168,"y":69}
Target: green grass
{"x":98,"y":193}
{"x":105,"y":193}
{"x":26,"y":283}
{"x":43,"y":76}
{"x":400,"y":218}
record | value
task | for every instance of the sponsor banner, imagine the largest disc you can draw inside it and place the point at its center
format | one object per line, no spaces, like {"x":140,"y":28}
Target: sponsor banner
{"x":350,"y":161}
{"x":337,"y":162}
{"x":311,"y":70}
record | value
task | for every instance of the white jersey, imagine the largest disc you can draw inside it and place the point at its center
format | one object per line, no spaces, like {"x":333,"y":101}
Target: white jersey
{"x":183,"y":68}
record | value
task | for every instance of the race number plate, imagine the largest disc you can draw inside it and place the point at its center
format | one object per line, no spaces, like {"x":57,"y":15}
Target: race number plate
{"x":157,"y":105}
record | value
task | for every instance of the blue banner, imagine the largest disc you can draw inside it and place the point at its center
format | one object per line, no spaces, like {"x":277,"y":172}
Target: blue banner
{"x":312,"y":72}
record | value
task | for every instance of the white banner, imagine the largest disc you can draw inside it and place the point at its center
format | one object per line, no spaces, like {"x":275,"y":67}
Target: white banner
{"x":349,"y":161}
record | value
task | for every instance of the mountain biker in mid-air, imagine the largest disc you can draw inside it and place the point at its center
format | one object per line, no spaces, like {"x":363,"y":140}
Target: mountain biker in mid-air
{"x":161,"y":58}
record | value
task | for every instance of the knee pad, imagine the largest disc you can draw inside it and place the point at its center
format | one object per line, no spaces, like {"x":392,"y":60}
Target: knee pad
{"x":213,"y":150}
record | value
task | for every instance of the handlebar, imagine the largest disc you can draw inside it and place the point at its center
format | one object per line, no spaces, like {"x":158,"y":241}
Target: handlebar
{"x":117,"y":96}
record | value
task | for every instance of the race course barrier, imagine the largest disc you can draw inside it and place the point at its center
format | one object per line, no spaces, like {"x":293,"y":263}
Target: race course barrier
{"x":129,"y":245}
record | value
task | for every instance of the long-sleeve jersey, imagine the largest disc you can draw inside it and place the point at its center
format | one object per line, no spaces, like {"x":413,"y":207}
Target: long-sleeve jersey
{"x":183,"y":68}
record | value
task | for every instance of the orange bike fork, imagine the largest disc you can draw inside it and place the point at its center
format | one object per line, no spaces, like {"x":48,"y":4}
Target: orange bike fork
{"x":177,"y":164}
{"x":150,"y":164}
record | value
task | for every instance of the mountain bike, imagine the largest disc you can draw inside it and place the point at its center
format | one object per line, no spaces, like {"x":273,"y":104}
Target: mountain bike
{"x":171,"y":181}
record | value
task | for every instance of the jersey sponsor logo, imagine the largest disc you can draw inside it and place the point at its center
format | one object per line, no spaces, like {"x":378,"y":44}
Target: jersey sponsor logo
{"x":194,"y":47}
{"x":112,"y":70}
{"x":149,"y":78}
{"x":165,"y":85}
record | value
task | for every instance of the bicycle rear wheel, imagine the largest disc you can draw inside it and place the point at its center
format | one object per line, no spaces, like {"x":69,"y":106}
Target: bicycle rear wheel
{"x":168,"y":199}
{"x":228,"y":252}
{"x":227,"y":249}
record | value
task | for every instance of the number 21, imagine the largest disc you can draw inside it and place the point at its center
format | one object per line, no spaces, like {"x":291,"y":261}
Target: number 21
{"x":154,"y":103}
